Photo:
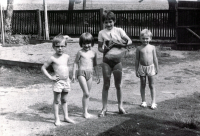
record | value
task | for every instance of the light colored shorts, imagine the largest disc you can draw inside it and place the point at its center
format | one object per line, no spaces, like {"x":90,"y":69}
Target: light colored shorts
{"x":62,"y":86}
{"x":86,"y":73}
{"x":146,"y":70}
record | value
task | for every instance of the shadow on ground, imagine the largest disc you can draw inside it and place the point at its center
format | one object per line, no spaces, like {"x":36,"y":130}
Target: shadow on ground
{"x":175,"y":117}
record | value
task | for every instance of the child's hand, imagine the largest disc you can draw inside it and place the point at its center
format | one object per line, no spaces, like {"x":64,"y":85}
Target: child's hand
{"x":137,"y":74}
{"x":73,"y":80}
{"x":156,"y":72}
{"x":98,"y":80}
{"x":55,"y":78}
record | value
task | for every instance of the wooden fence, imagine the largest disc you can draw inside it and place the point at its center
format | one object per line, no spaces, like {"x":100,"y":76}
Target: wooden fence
{"x":74,"y":23}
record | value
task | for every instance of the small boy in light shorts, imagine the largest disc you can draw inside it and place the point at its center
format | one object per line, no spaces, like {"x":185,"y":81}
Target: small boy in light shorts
{"x":146,"y":70}
{"x":146,"y":65}
{"x":61,"y":85}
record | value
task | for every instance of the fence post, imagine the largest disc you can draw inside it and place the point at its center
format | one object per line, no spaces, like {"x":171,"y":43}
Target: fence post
{"x":2,"y":27}
{"x":39,"y":24}
{"x":101,"y":22}
{"x":46,"y":20}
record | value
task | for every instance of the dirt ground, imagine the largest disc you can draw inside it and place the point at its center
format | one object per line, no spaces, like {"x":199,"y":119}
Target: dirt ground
{"x":28,"y":110}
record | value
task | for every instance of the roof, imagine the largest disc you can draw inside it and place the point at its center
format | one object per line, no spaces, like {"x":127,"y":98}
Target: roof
{"x":97,"y":4}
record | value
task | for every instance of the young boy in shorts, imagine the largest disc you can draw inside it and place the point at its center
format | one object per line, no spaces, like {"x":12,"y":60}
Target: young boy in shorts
{"x":86,"y":61}
{"x":105,"y":40}
{"x":146,"y":65}
{"x":61,"y":85}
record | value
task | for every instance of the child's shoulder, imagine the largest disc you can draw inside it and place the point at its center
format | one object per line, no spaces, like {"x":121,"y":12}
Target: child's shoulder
{"x":65,"y":55}
{"x":151,"y":46}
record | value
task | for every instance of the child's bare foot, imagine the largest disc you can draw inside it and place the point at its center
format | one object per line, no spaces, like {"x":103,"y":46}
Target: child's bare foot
{"x":69,"y":120}
{"x":57,"y":123}
{"x":122,"y":111}
{"x":102,"y":113}
{"x":87,"y":116}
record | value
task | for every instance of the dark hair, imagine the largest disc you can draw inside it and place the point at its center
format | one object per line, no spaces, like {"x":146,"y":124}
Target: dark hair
{"x":58,"y":39}
{"x":86,"y":38}
{"x":108,"y":15}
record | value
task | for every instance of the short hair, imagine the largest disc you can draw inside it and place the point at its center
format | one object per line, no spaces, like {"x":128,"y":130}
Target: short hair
{"x":108,"y":15}
{"x":86,"y":38}
{"x":58,"y":39}
{"x":147,"y":32}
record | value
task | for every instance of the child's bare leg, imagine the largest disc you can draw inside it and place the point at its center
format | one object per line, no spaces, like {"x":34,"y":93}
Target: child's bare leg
{"x":142,"y":87}
{"x":56,"y":107}
{"x":152,"y":89}
{"x":85,"y":86}
{"x":65,"y":107}
{"x":106,"y":70}
{"x":118,"y":77}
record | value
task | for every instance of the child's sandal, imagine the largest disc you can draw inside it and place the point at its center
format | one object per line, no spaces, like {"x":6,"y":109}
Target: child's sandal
{"x":143,"y":104}
{"x":153,"y":106}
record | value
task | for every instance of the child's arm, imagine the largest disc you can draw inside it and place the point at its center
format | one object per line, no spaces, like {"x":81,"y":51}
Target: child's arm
{"x":125,"y":40}
{"x":44,"y":70}
{"x":137,"y":62}
{"x":100,"y":47}
{"x":75,"y":66}
{"x":155,"y":59}
{"x":129,"y":41}
{"x":96,"y":68}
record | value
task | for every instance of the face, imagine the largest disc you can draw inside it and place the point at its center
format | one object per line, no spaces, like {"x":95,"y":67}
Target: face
{"x":109,"y":24}
{"x":145,"y":39}
{"x":59,"y":48}
{"x":86,"y":46}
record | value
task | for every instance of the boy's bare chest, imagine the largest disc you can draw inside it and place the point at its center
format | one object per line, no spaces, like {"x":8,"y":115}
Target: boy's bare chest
{"x":60,"y":61}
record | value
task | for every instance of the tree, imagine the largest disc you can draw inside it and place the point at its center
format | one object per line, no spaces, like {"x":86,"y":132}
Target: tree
{"x":172,"y":4}
{"x":8,"y":18}
{"x":8,"y":22}
{"x":84,"y":4}
{"x":71,"y":5}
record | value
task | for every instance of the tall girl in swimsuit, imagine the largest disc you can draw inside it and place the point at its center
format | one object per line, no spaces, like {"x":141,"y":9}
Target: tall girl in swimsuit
{"x":108,"y":67}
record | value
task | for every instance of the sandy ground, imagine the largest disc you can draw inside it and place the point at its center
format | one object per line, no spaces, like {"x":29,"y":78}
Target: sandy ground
{"x":28,"y":110}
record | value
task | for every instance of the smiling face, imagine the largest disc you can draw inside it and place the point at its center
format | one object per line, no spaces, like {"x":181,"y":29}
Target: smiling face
{"x":145,"y":39}
{"x":109,"y":24}
{"x":86,"y":46}
{"x":59,"y":47}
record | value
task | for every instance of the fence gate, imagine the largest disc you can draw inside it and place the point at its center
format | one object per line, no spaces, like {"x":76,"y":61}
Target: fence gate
{"x":188,"y":25}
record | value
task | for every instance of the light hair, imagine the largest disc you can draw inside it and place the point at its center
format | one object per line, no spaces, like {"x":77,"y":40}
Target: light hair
{"x":146,"y":32}
{"x":58,"y":39}
{"x":86,"y":38}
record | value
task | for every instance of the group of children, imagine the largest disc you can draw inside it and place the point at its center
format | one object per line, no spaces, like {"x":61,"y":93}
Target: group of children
{"x":146,"y":66}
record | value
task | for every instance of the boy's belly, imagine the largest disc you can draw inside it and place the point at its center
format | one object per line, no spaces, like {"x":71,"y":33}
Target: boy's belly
{"x":63,"y":74}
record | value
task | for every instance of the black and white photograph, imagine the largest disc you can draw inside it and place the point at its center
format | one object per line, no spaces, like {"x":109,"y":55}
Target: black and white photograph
{"x":100,"y":68}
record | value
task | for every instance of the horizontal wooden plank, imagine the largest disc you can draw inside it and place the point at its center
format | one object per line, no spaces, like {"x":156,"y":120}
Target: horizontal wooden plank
{"x":192,"y":26}
{"x":185,"y":8}
{"x":188,"y":44}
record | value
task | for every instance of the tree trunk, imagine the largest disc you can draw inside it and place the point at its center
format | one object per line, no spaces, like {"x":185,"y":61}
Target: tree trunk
{"x":8,"y":19}
{"x":71,"y":5}
{"x":84,"y":4}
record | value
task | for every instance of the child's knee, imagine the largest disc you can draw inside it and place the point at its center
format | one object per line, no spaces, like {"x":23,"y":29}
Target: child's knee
{"x":56,"y":102}
{"x":63,"y":101}
{"x":86,"y":95}
{"x":143,"y":85}
{"x":151,"y":86}
{"x":117,"y":86}
{"x":106,"y":85}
